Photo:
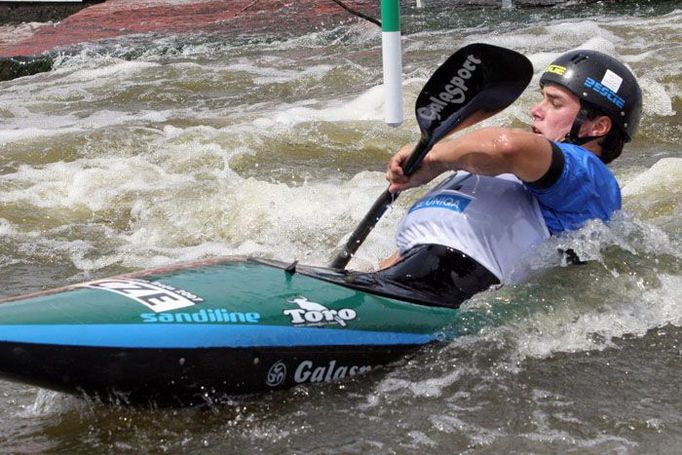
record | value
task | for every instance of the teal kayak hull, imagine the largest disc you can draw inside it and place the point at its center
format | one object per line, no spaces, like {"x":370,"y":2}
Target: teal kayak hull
{"x":201,"y":330}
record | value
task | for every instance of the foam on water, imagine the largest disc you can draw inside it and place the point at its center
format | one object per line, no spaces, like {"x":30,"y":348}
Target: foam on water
{"x":630,"y":296}
{"x":367,"y":106}
{"x":20,"y":134}
{"x":657,"y":99}
{"x":116,"y":70}
{"x":49,"y":404}
{"x":6,"y":227}
{"x":206,"y":204}
{"x":663,"y":177}
{"x":18,"y":130}
{"x":355,"y":33}
{"x":656,"y":195}
{"x":93,"y":184}
{"x":167,"y":215}
{"x":548,"y":335}
{"x":275,"y":74}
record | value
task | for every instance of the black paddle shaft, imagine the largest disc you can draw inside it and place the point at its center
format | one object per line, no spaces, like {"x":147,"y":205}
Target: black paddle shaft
{"x":476,"y":82}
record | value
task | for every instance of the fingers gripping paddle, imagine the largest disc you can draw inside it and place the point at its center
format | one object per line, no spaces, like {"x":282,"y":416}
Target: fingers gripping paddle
{"x":475,"y":83}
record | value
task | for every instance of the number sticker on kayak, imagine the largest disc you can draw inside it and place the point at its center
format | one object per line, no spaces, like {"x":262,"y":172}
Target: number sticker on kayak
{"x":155,"y":296}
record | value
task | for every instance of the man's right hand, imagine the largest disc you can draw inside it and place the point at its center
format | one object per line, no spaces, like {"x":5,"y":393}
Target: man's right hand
{"x":398,"y":181}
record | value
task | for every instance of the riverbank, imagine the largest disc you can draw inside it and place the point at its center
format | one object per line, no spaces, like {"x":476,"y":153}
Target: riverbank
{"x":73,"y":23}
{"x":115,"y":18}
{"x":98,"y":20}
{"x":20,"y":12}
{"x":47,"y":28}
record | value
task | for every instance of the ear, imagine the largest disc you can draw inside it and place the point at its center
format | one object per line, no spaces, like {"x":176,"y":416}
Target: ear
{"x":600,"y":126}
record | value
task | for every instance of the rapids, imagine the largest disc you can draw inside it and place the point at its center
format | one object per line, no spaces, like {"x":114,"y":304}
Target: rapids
{"x":146,"y":150}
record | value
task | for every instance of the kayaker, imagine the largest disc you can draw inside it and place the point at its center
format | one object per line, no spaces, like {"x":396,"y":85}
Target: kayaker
{"x":462,"y":238}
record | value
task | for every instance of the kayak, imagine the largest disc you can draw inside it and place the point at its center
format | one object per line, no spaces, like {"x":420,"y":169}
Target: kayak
{"x":221,"y":327}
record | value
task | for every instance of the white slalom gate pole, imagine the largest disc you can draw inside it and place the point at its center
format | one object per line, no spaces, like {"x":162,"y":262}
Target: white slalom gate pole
{"x":392,"y":59}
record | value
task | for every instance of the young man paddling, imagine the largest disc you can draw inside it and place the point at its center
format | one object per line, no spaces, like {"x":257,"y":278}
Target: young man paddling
{"x":466,"y":236}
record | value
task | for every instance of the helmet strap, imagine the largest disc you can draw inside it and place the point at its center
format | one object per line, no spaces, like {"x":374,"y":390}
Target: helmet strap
{"x":572,"y":136}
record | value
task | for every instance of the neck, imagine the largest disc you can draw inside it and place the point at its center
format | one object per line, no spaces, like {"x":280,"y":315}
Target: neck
{"x":593,"y":146}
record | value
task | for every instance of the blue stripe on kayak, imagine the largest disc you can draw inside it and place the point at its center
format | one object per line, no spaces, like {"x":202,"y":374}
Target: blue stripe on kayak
{"x":199,"y":336}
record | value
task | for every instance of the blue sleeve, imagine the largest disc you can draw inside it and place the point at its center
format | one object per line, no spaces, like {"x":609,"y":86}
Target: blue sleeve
{"x":585,"y":190}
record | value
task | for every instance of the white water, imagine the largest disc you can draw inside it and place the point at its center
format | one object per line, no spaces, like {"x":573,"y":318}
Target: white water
{"x":277,"y":149}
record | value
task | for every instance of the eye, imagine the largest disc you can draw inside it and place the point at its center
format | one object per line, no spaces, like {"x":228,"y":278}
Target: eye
{"x":556,"y":102}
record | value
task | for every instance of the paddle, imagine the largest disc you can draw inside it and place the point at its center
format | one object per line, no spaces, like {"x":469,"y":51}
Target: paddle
{"x":475,"y":83}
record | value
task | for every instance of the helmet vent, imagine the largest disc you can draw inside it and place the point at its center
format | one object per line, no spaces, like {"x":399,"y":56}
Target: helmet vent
{"x":577,"y":58}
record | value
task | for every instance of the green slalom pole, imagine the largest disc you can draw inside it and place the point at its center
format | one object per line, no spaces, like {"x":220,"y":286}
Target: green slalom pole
{"x":392,"y":58}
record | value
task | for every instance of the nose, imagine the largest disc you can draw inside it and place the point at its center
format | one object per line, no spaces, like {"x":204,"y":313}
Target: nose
{"x":536,"y":111}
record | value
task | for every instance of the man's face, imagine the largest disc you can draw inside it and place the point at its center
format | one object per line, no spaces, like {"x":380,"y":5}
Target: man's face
{"x":553,"y":116}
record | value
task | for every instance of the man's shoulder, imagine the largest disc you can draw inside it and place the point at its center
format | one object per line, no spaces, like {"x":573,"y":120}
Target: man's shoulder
{"x":582,"y":166}
{"x":580,"y":155}
{"x":585,"y":189}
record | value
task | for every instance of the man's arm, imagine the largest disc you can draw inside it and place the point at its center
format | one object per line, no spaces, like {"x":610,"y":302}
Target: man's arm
{"x":489,"y":151}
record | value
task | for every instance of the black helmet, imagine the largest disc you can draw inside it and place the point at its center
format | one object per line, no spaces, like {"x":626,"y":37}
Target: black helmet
{"x":601,"y":81}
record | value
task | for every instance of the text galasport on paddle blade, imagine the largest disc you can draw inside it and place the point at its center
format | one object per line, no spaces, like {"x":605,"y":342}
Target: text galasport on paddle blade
{"x":479,"y":77}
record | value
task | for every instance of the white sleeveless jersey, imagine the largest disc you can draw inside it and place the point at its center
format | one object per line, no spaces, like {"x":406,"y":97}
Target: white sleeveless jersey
{"x":494,"y":220}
